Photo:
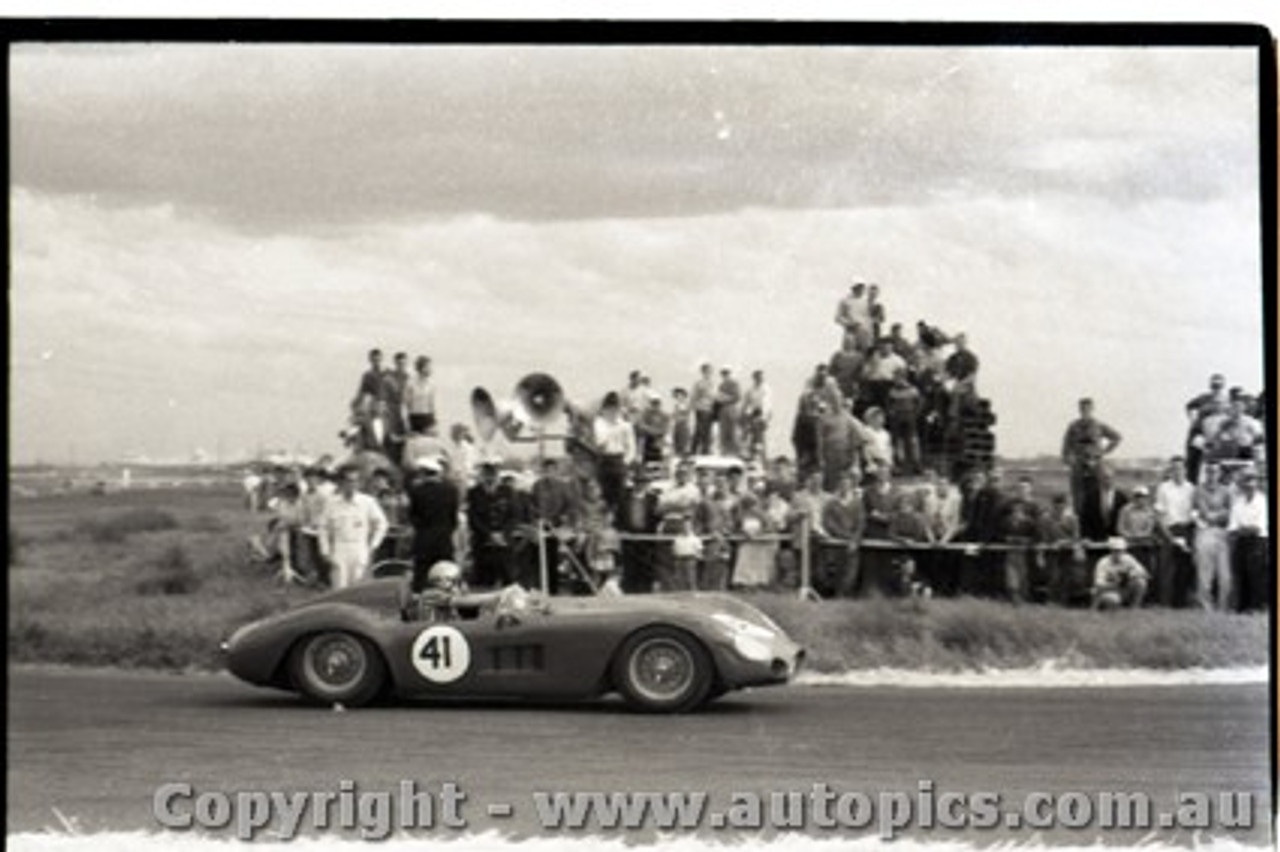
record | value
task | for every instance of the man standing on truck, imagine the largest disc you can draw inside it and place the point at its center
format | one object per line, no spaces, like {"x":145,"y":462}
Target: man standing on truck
{"x":1085,"y":443}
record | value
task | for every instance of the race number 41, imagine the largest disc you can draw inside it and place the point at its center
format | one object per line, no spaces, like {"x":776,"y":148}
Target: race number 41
{"x":441,"y":654}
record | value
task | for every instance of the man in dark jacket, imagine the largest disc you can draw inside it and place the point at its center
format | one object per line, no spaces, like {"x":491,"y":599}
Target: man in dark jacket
{"x":555,"y":504}
{"x":1021,"y":521}
{"x":1100,"y":513}
{"x":433,"y":513}
{"x":489,"y":519}
{"x":844,"y":520}
{"x":982,"y":510}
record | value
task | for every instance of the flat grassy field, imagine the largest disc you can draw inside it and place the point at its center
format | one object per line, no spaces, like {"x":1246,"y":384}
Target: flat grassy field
{"x":157,"y":577}
{"x":149,"y":577}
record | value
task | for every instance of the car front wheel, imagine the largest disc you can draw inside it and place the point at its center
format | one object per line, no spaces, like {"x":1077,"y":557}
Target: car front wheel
{"x":663,"y":670}
{"x":337,"y":668}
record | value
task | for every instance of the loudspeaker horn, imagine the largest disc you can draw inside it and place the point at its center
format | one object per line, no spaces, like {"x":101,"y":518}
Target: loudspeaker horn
{"x":540,"y":396}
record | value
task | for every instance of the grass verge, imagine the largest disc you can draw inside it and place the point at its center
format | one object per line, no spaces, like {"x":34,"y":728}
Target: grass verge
{"x":966,"y":634}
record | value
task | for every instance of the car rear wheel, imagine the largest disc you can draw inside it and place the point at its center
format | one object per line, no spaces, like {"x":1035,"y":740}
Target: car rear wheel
{"x":337,"y":667}
{"x":663,"y":670}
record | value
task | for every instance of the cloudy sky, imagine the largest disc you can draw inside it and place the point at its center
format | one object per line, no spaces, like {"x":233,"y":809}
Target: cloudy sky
{"x":207,"y":238}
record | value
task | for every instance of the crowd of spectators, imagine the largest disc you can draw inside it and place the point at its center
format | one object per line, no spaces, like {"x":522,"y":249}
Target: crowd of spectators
{"x":1197,"y":534}
{"x":688,"y":497}
{"x":885,"y":401}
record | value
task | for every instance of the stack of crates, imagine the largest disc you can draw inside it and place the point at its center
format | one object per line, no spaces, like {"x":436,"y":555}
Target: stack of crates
{"x":971,"y":444}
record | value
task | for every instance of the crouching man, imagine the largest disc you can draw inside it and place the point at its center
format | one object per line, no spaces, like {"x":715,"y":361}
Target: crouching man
{"x":1119,"y":580}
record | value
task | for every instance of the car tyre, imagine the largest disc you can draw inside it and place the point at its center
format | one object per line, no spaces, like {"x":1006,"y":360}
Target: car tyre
{"x":336,"y":667}
{"x":663,"y":670}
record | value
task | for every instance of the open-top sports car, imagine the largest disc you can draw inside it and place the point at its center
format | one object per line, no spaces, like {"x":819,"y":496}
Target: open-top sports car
{"x":662,"y":653}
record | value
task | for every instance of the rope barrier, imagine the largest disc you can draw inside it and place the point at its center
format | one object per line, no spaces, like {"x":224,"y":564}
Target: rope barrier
{"x":897,"y":544}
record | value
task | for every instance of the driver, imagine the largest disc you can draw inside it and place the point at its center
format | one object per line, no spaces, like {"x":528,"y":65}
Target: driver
{"x":446,"y":597}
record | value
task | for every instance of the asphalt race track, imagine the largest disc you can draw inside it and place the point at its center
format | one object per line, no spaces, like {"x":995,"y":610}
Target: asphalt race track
{"x":97,"y":744}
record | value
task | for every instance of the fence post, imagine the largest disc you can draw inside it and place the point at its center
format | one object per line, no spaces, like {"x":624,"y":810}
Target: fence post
{"x":806,"y":592}
{"x":543,"y":579}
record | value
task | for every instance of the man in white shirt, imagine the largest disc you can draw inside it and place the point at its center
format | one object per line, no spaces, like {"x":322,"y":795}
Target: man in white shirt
{"x":682,"y":498}
{"x":616,"y":442}
{"x":253,"y":491}
{"x":853,"y":314}
{"x":809,"y":503}
{"x":676,"y":507}
{"x":879,"y":372}
{"x":942,"y":507}
{"x":633,"y":397}
{"x":352,"y":527}
{"x":315,"y":497}
{"x":1249,"y":529}
{"x":419,"y":398}
{"x":1235,"y":435}
{"x":877,"y":452}
{"x":1174,"y":571}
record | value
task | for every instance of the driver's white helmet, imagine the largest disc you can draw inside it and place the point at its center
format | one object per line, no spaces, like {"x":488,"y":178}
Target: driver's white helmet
{"x":444,"y":574}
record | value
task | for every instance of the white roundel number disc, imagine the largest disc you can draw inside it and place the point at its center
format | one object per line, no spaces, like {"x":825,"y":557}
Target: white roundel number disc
{"x":441,"y":654}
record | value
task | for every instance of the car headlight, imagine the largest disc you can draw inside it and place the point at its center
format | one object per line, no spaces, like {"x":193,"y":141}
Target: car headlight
{"x":752,"y":648}
{"x":752,"y":641}
{"x":739,"y":627}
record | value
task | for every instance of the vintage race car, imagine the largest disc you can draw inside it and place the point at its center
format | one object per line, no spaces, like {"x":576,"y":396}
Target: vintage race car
{"x":662,"y":652}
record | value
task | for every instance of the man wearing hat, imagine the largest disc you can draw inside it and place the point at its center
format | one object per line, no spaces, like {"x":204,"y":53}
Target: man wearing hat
{"x":1138,"y":522}
{"x":424,"y":441}
{"x":1119,"y":580}
{"x":433,"y":514}
{"x":1249,"y":529}
{"x":490,"y":517}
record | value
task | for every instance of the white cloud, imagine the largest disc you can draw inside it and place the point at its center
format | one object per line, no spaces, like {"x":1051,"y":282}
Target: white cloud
{"x":261,"y":340}
{"x":231,"y":227}
{"x":288,"y":137}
